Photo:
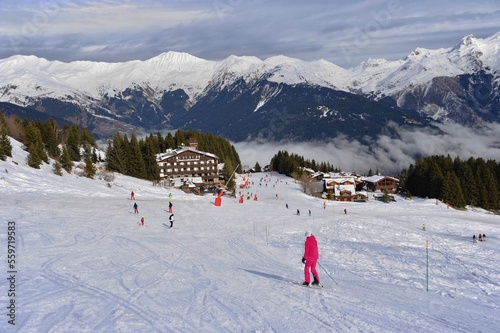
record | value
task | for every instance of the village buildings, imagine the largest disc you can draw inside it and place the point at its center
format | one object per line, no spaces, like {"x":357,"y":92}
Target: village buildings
{"x":346,"y":186}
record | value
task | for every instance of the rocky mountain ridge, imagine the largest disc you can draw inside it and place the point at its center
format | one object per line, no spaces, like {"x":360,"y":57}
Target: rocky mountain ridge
{"x":178,"y":90}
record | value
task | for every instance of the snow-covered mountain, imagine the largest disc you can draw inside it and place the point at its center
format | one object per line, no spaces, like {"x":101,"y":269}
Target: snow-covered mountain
{"x":459,"y":83}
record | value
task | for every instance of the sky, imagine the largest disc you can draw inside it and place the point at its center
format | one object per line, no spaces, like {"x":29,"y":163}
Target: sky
{"x":344,"y":33}
{"x":235,"y":267}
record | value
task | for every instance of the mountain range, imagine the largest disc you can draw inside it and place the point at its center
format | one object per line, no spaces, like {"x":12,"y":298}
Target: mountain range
{"x":246,"y":98}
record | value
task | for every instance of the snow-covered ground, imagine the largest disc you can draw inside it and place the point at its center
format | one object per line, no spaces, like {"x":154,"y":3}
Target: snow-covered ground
{"x":84,"y":264}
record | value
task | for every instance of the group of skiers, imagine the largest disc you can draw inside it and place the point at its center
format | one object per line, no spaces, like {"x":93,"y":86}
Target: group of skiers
{"x":136,"y":210}
{"x":481,"y":238}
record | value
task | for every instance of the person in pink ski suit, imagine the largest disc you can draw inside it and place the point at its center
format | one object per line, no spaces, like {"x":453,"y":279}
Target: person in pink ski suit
{"x":310,"y":259}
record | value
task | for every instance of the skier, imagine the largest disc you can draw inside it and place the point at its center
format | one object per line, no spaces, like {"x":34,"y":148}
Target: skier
{"x":136,"y":208}
{"x":310,"y":258}
{"x":142,"y":220}
{"x":132,"y":196}
{"x":480,"y":239}
{"x":298,"y":212}
{"x":286,"y":206}
{"x":171,"y":219}
{"x":170,"y":207}
{"x":423,"y":227}
{"x":345,"y":211}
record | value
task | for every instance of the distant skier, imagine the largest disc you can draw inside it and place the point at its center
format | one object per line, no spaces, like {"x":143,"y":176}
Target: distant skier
{"x":474,"y":238}
{"x":298,"y":212}
{"x":309,"y":212}
{"x":286,"y":206}
{"x":170,"y":207}
{"x":171,"y":220}
{"x":480,"y":238}
{"x":310,"y":259}
{"x":136,"y":208}
{"x":423,"y":227}
{"x":345,"y":211}
{"x":142,"y":220}
{"x":132,"y":196}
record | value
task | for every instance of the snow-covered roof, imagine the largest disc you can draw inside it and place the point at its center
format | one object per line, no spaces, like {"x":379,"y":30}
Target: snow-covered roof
{"x":182,"y":149}
{"x":376,"y":178}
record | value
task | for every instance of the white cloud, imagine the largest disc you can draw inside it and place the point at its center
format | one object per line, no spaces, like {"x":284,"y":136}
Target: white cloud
{"x":216,"y":29}
{"x":386,"y":154}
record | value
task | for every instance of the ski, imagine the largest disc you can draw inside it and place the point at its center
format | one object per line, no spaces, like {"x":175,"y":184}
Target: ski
{"x":318,"y":286}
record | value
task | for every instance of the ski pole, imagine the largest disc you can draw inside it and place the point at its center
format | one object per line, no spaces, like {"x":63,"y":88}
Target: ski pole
{"x":328,"y":273}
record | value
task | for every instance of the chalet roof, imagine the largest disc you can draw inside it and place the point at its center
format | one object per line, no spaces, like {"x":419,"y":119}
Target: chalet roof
{"x":338,"y":189}
{"x":180,"y":150}
{"x":376,"y":178}
{"x":341,"y":180}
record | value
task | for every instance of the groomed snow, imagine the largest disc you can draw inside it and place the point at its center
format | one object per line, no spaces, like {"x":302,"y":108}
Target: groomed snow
{"x":84,"y":264}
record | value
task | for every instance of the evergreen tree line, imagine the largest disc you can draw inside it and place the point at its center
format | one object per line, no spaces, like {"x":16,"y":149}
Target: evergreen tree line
{"x":459,"y":183}
{"x":137,"y":157}
{"x":288,"y":164}
{"x":44,"y":140}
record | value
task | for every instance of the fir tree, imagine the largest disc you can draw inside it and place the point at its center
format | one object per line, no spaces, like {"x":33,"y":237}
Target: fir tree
{"x":452,"y":191}
{"x":57,"y":168}
{"x":90,"y":169}
{"x":227,"y":172}
{"x":73,"y":144}
{"x":66,"y":162}
{"x":5,"y":145}
{"x":34,"y":146}
{"x":49,"y":136}
{"x":135,"y":166}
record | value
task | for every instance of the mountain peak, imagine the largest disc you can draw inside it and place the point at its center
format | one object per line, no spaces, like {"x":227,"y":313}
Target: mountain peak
{"x":468,"y":40}
{"x":173,"y":56}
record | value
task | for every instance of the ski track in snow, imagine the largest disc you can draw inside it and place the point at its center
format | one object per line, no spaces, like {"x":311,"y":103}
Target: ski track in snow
{"x":86,"y":265}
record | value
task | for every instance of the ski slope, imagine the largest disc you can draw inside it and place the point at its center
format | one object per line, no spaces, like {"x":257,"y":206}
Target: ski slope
{"x":84,"y":264}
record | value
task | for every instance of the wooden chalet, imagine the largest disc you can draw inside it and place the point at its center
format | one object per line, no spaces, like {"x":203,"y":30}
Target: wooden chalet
{"x":344,"y":189}
{"x":188,"y":163}
{"x":382,"y":183}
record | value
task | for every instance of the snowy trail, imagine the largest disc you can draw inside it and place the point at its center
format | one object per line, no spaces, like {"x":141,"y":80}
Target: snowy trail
{"x":86,"y":265}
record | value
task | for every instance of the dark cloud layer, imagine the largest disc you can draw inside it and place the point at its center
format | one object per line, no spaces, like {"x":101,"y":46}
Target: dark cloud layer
{"x":343,"y":33}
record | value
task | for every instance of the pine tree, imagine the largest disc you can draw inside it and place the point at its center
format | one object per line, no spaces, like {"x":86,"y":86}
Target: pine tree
{"x":57,"y":168}
{"x":452,"y":191}
{"x":149,"y":158}
{"x":66,"y":162}
{"x":257,"y":167}
{"x":49,"y":136}
{"x":116,"y":155}
{"x":135,"y":166}
{"x":227,"y":172}
{"x":34,"y":145}
{"x":90,"y":169}
{"x":73,"y":144}
{"x":5,"y":145}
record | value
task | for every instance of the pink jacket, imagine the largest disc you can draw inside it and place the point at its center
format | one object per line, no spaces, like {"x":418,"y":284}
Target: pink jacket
{"x":311,"y":248}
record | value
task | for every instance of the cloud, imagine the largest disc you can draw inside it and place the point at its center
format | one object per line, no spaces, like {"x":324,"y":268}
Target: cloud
{"x":344,"y":34}
{"x":389,"y":155}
